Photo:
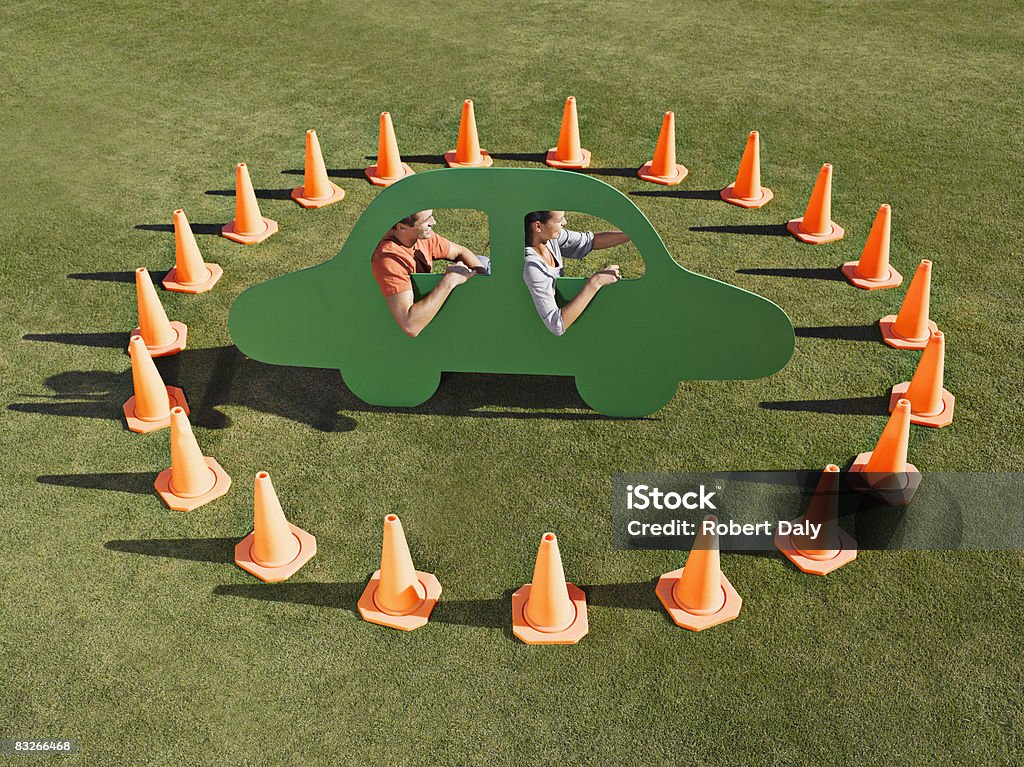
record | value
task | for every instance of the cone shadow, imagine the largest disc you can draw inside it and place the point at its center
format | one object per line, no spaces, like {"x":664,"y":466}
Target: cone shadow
{"x":538,"y":157}
{"x":86,"y":409}
{"x":769,"y":230}
{"x":261,"y":194}
{"x":194,"y":549}
{"x":128,"y":277}
{"x":847,"y":406}
{"x":631,"y":596}
{"x":82,"y":394}
{"x":334,"y":172}
{"x":842,"y":332}
{"x":832,"y":275}
{"x":425,"y":159}
{"x":138,"y":482}
{"x":213,"y":229}
{"x":620,"y":172}
{"x":211,"y":378}
{"x":476,"y":613}
{"x":877,"y":524}
{"x":343,"y":596}
{"x":762,"y":553}
{"x":682,"y":194}
{"x":98,"y":340}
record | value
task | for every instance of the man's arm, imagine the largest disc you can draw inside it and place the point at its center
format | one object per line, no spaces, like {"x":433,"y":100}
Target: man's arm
{"x":609,"y":239}
{"x":413,"y":317}
{"x":463,"y":254}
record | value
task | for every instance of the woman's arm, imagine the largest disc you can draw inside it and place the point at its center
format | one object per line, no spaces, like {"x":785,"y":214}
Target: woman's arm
{"x":572,"y":310}
{"x":542,"y":290}
{"x":604,"y":240}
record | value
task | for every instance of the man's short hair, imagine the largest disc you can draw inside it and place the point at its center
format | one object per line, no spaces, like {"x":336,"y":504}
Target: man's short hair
{"x":408,"y":220}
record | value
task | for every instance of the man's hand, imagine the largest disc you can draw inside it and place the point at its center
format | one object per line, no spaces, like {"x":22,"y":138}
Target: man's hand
{"x":471,"y":261}
{"x":456,"y":274}
{"x":606,"y":276}
{"x":463,"y":255}
{"x":413,"y":317}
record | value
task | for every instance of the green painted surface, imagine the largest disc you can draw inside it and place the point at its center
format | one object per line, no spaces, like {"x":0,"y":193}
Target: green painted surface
{"x":628,"y":351}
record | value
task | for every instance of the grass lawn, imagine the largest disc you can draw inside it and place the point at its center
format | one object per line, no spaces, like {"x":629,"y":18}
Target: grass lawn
{"x":128,"y":627}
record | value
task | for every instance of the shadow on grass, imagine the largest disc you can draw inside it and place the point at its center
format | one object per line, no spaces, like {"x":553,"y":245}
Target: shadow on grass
{"x":220,"y":550}
{"x":620,"y":172}
{"x":833,"y":275}
{"x":479,"y":613}
{"x":222,"y":376}
{"x":630,"y":596}
{"x":682,"y":194}
{"x":196,"y":228}
{"x":84,"y":394}
{"x":336,"y":596}
{"x":99,"y":340}
{"x":470,"y":394}
{"x":762,"y":553}
{"x":521,"y":156}
{"x":847,"y":406}
{"x":138,"y":482}
{"x":211,"y":378}
{"x":116,"y":276}
{"x":424,"y":159}
{"x":876,"y":525}
{"x":842,"y":332}
{"x":336,"y":172}
{"x":262,"y":194}
{"x":476,"y":613}
{"x":770,"y":230}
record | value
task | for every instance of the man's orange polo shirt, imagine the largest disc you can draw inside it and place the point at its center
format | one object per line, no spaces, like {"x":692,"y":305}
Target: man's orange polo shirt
{"x":393,"y":262}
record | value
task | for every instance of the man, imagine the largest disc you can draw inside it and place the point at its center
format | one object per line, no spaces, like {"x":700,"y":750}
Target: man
{"x":410,"y":247}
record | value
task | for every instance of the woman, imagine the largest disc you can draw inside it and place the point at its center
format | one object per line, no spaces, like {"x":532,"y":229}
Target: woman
{"x":547,"y":244}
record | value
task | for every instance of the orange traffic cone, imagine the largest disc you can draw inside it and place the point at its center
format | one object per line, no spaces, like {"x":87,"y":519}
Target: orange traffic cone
{"x":548,"y":610}
{"x":930,"y":404}
{"x":827,"y":547}
{"x":389,"y":167}
{"x":663,"y":169}
{"x":467,"y":152}
{"x":398,"y":595}
{"x":569,"y":154}
{"x":149,"y":408}
{"x":873,"y":271}
{"x":193,"y":479}
{"x":911,"y":328}
{"x":190,"y":274}
{"x":816,"y":225}
{"x":698,"y":595}
{"x":317,"y":190}
{"x":249,"y":226}
{"x":275,"y":549}
{"x":884,"y":471}
{"x":746,"y":191}
{"x":163,"y":338}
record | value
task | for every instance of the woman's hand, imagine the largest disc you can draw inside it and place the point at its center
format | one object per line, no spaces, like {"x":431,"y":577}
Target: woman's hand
{"x":606,"y":276}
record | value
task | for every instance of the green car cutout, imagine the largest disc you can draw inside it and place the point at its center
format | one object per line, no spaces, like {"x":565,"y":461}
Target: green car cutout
{"x":628,"y":350}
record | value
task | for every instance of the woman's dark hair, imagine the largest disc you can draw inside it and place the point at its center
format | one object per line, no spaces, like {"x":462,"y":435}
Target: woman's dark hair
{"x":538,"y":216}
